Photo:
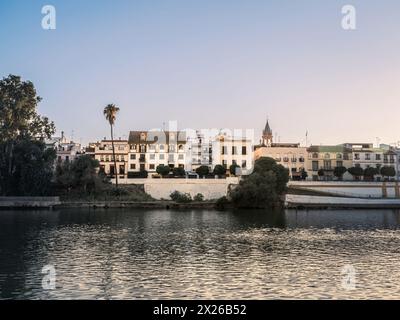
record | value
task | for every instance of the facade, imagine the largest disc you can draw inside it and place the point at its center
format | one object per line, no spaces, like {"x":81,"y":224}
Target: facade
{"x":365,"y":156}
{"x":290,"y":155}
{"x":199,"y":152}
{"x":328,"y":158}
{"x":227,"y":151}
{"x":67,"y":150}
{"x":103,"y":152}
{"x":149,"y":149}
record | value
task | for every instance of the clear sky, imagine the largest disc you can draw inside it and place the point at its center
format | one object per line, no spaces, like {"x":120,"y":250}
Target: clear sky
{"x":211,"y":63}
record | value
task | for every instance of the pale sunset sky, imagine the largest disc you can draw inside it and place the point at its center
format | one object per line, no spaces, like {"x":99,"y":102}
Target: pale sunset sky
{"x":211,"y":64}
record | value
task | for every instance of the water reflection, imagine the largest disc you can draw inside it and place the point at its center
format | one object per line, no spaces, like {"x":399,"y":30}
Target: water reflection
{"x":133,"y":254}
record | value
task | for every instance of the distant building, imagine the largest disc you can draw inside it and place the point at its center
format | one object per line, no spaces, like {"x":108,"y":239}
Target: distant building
{"x":149,"y":149}
{"x":365,"y":155}
{"x":199,"y":152}
{"x":227,"y":151}
{"x":326,"y":159}
{"x":103,"y":152}
{"x":66,"y":150}
{"x":290,"y":155}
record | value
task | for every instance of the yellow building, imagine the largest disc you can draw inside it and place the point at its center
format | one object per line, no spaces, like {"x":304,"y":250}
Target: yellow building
{"x":103,"y":152}
{"x":324,"y":160}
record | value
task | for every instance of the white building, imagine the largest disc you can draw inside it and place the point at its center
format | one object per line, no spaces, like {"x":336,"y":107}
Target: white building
{"x":199,"y":152}
{"x":149,"y":149}
{"x":227,"y":151}
{"x":67,"y":150}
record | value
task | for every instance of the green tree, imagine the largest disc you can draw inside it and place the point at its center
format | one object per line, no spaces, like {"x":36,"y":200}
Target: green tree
{"x":303,"y":174}
{"x":21,"y":127}
{"x":263,"y":188}
{"x":356,"y":172}
{"x":203,"y":171}
{"x":369,"y":173}
{"x":232,"y":169}
{"x":219,"y":170}
{"x":321,"y":173}
{"x":178,"y":172}
{"x":110,"y":112}
{"x":163,"y":170}
{"x":265,"y":164}
{"x":338,"y":172}
{"x":387,"y":171}
{"x":80,"y":174}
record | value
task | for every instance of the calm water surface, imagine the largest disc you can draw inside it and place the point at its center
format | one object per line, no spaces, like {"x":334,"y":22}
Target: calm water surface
{"x":137,"y":254}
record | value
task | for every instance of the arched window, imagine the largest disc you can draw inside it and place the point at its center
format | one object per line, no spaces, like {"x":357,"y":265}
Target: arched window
{"x":327,"y":155}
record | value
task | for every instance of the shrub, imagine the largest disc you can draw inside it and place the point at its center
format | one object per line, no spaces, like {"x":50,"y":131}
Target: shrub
{"x":202,"y":171}
{"x":221,"y":203}
{"x":163,"y":170}
{"x":178,"y":172}
{"x":232,"y":169}
{"x":180,"y":197}
{"x":219,"y":170}
{"x":198,"y":197}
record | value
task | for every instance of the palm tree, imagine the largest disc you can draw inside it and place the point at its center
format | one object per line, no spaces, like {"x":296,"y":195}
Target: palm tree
{"x":110,"y":112}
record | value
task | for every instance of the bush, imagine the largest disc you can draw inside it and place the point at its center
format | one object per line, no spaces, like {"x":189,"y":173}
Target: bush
{"x":178,"y":172}
{"x":232,"y":169}
{"x":221,"y":203}
{"x":198,"y":197}
{"x":202,"y":171}
{"x":338,"y":172}
{"x":356,"y":172}
{"x":180,"y":197}
{"x":387,"y":171}
{"x":163,"y":170}
{"x":219,"y":170}
{"x":263,"y":188}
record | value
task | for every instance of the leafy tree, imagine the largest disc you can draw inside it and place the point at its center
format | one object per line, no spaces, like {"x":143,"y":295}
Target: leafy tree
{"x":265,"y":164}
{"x":180,"y":197}
{"x":303,"y":174}
{"x":80,"y":174}
{"x":263,"y":188}
{"x":22,"y":132}
{"x":163,"y":170}
{"x":338,"y":172}
{"x":388,"y":171}
{"x":198,"y":197}
{"x":219,"y":170}
{"x":369,"y":173}
{"x":321,"y":173}
{"x":356,"y":172}
{"x":203,"y":171}
{"x":178,"y":171}
{"x":232,"y":169}
{"x":110,"y":112}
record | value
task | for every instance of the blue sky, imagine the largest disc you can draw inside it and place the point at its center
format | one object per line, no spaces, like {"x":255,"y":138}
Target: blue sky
{"x":218,"y":64}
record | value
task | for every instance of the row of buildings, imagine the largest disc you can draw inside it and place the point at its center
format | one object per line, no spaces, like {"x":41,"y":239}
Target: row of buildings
{"x":143,"y":151}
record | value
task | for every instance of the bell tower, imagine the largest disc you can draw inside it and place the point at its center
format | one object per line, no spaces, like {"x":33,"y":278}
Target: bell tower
{"x":267,"y":135}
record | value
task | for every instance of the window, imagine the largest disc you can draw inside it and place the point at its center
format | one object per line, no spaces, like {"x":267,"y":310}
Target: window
{"x":315,"y":155}
{"x":171,"y":158}
{"x":161,"y":147}
{"x":225,"y":163}
{"x":234,"y":150}
{"x":152,"y":147}
{"x":133,"y":156}
{"x":180,"y":148}
{"x":133,"y":166}
{"x":152,"y":156}
{"x":234,"y":162}
{"x":224,"y":150}
{"x":315,"y":166}
{"x":327,"y":165}
{"x":162,"y":157}
{"x":171,"y":148}
{"x":357,"y":156}
{"x":121,"y":148}
{"x":339,"y":156}
{"x":180,"y":157}
{"x":327,"y":155}
{"x":244,"y":164}
{"x":244,"y":150}
{"x":151,"y":166}
{"x":107,"y":158}
{"x":367,"y":156}
{"x":339,"y":163}
{"x":142,"y":148}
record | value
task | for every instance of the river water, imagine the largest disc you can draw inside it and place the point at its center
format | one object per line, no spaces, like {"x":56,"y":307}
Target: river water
{"x":159,"y":254}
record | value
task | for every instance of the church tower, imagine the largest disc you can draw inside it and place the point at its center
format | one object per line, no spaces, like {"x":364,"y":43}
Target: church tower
{"x":267,"y":135}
